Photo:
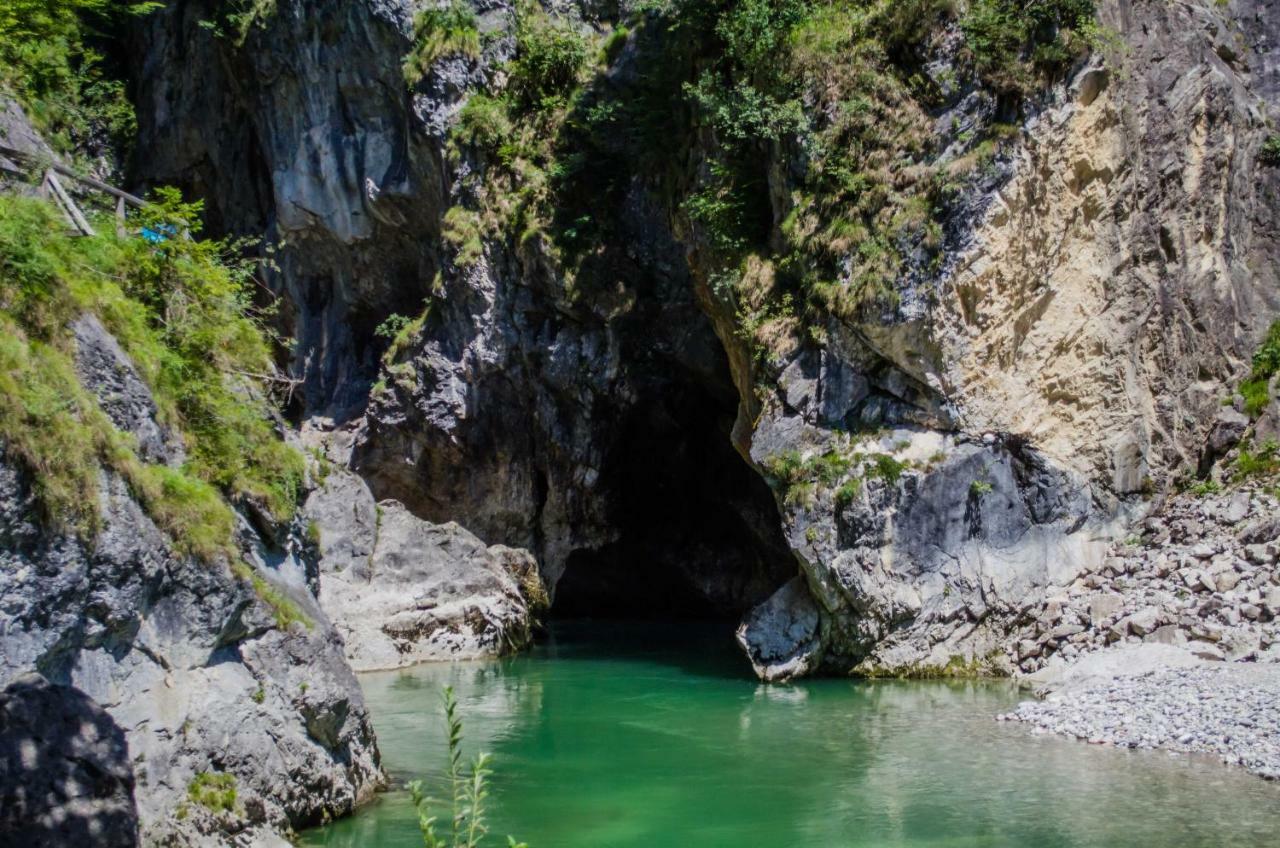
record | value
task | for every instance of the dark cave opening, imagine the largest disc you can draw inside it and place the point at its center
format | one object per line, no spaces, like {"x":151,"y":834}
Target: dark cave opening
{"x":698,"y":531}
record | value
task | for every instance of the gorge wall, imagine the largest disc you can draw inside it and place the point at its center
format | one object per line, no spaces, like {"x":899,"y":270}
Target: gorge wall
{"x":1101,"y":281}
{"x":870,"y":347}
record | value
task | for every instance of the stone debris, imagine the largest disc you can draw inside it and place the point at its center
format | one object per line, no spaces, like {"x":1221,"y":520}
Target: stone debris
{"x":1230,"y":710}
{"x":1202,"y":579}
{"x":1202,"y":575}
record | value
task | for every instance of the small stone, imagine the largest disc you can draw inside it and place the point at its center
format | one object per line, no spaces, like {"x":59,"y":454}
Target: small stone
{"x":1103,"y":606}
{"x":1144,"y":621}
{"x":1226,"y":581}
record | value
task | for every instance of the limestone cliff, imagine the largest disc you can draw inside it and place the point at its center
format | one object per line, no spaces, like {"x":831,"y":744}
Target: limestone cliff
{"x":1053,"y":353}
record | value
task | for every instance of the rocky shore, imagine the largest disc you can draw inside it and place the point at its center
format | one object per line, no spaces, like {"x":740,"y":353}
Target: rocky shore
{"x":1174,"y":642}
{"x":1230,"y":710}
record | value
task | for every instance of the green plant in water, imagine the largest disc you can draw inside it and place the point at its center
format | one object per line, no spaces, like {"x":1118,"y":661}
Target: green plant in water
{"x":468,"y":793}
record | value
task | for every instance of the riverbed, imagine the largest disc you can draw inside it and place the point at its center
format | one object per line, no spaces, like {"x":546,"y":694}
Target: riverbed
{"x":612,"y":735}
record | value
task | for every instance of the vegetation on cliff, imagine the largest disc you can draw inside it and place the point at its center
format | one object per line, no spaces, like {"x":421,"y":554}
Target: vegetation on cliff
{"x":794,"y":141}
{"x":54,"y":58}
{"x":183,"y":312}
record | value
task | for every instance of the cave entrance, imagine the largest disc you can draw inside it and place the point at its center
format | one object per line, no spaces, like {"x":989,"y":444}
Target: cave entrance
{"x":699,"y":535}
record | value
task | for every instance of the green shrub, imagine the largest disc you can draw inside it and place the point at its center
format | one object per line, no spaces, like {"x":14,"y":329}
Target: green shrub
{"x":885,"y":467}
{"x":468,"y":793}
{"x":48,"y":58}
{"x":215,"y":791}
{"x":550,"y":56}
{"x":438,"y":32}
{"x":1270,"y":154}
{"x":1013,"y":42}
{"x":1257,"y":462}
{"x":848,"y":492}
{"x":1266,"y":363}
{"x":978,"y":488}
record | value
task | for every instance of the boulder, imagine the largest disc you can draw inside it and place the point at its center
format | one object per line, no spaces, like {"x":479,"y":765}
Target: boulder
{"x":65,"y":776}
{"x":402,"y":590}
{"x":780,"y":636}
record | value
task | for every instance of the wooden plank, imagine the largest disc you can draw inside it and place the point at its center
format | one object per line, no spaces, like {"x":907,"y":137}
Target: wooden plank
{"x":131,"y":199}
{"x":73,"y":212}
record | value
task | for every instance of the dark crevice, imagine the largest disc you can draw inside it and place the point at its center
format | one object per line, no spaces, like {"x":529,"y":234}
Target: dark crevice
{"x":698,"y":532}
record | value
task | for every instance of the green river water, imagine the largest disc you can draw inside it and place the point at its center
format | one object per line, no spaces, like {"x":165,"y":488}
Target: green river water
{"x":653,"y":735}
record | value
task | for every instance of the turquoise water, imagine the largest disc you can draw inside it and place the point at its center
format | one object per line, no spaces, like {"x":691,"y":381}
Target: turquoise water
{"x":621,"y":736}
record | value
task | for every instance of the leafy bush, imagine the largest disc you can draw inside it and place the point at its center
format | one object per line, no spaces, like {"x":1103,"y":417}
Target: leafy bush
{"x":1266,"y":363}
{"x":48,"y":58}
{"x":1270,"y":154}
{"x":550,"y":56}
{"x":468,"y":790}
{"x":1261,"y":461}
{"x":438,"y":32}
{"x":1013,"y":41}
{"x":886,"y":468}
{"x":215,"y":791}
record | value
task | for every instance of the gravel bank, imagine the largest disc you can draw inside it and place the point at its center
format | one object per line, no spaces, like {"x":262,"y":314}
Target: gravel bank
{"x":1231,"y":710}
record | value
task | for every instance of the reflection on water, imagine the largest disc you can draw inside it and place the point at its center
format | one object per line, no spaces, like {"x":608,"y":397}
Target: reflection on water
{"x":614,"y":736}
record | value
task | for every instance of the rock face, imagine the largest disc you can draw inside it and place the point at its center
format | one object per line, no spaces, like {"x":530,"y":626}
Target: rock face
{"x":1101,"y":286}
{"x":65,"y":775}
{"x":401,"y":590}
{"x":303,"y":133}
{"x":1088,"y":317}
{"x":187,"y":659}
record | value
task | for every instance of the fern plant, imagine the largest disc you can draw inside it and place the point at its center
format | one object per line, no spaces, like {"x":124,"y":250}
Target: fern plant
{"x":468,"y":791}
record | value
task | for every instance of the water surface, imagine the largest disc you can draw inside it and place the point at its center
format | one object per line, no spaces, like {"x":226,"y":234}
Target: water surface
{"x":622,"y":736}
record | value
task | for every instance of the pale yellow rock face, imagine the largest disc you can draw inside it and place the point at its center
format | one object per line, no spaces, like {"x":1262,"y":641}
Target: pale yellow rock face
{"x":1117,"y":285}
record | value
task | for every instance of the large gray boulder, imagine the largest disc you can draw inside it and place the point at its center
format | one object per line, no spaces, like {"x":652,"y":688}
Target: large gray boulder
{"x":65,"y":774}
{"x":401,"y":590}
{"x":781,"y":636}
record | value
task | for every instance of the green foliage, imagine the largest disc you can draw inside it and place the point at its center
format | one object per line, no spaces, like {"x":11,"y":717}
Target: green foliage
{"x":215,"y":791}
{"x":978,"y":488}
{"x":1266,"y":363}
{"x":1205,"y":488}
{"x":468,"y":793}
{"x":258,"y":695}
{"x":550,"y":56}
{"x":1015,"y":43}
{"x":1270,"y":153}
{"x":885,"y":467}
{"x":1261,"y":461}
{"x":848,"y":492}
{"x":451,"y":30}
{"x":483,"y":123}
{"x":182,"y":312}
{"x":392,"y":326}
{"x":235,"y":20}
{"x":51,"y":58}
{"x":313,"y":534}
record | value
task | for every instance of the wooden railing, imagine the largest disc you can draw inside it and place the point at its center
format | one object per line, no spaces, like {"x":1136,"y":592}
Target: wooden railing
{"x":51,"y":183}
